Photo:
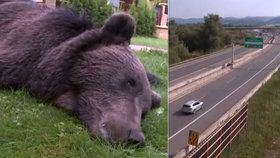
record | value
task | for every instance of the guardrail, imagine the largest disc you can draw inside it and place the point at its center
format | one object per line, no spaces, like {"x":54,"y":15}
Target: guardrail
{"x":212,"y":130}
{"x":198,"y":81}
{"x":220,"y":138}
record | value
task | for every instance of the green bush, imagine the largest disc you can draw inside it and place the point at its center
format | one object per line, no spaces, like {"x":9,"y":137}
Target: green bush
{"x":177,"y":50}
{"x":144,"y":18}
{"x":98,"y":10}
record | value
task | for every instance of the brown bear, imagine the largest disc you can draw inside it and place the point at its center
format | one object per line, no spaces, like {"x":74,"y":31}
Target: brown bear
{"x":57,"y":55}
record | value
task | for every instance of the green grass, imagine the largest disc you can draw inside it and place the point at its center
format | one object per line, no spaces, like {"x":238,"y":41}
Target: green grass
{"x":149,"y":41}
{"x":30,"y":128}
{"x":263,"y":122}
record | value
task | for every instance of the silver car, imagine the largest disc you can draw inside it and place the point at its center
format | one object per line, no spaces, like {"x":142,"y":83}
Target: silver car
{"x":192,"y":106}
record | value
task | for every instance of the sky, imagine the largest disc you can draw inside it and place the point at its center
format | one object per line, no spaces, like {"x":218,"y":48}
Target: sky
{"x":225,"y":8}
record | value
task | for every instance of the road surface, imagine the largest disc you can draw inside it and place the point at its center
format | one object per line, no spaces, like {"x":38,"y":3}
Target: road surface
{"x":190,"y":69}
{"x":218,"y":97}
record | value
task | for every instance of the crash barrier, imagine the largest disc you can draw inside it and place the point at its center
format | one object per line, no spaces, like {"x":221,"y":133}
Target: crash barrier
{"x":199,"y":58}
{"x":230,"y":114}
{"x":220,"y":138}
{"x":198,"y":81}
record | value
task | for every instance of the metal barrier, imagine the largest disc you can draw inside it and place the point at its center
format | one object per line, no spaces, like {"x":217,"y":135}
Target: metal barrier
{"x":220,"y":138}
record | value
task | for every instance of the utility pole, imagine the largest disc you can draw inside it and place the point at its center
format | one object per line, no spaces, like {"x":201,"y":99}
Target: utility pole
{"x":232,"y":60}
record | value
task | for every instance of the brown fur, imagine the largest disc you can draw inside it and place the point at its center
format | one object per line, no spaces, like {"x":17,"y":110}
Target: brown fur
{"x":57,"y":55}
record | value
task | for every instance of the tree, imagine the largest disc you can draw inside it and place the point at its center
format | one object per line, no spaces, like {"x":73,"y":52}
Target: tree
{"x":145,"y":19}
{"x":212,"y":24}
{"x":98,"y":10}
{"x":177,"y":50}
{"x":212,"y":32}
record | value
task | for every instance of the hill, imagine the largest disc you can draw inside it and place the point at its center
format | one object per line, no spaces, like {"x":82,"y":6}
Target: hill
{"x":233,"y":21}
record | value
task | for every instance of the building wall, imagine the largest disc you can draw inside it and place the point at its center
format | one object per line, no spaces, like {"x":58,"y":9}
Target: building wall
{"x":162,"y":21}
{"x":162,"y":32}
{"x":162,"y":14}
{"x":50,"y":3}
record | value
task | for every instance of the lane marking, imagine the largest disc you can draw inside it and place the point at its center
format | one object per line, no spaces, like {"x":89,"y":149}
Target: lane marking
{"x":180,"y":66}
{"x":171,"y":82}
{"x":189,"y":74}
{"x":219,"y":63}
{"x":224,"y":98}
{"x":231,"y":80}
{"x":244,"y":52}
{"x":202,"y":58}
{"x":201,"y":98}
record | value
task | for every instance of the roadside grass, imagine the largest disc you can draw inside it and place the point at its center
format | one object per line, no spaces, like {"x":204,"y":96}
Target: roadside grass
{"x":31,"y":128}
{"x":149,"y":41}
{"x":263,"y":123}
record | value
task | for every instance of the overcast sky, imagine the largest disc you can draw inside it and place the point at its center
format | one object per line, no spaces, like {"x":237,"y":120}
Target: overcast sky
{"x":225,"y":8}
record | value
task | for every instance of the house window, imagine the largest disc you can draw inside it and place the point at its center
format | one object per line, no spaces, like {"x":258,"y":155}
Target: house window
{"x":166,"y":10}
{"x":158,"y":14}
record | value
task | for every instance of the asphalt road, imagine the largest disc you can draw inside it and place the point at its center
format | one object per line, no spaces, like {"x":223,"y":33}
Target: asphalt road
{"x":218,"y":97}
{"x":190,"y":69}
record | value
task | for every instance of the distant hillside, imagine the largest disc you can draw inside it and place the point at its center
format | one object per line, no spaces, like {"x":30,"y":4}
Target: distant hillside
{"x":188,"y":21}
{"x":253,"y":21}
{"x":275,"y":20}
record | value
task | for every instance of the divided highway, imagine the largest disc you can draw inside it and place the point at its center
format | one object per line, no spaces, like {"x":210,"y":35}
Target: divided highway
{"x":190,"y":69}
{"x":218,"y":96}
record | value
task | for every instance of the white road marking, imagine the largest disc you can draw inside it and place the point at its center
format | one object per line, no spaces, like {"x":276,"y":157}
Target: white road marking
{"x":230,"y":80}
{"x":171,"y":82}
{"x":224,"y":98}
{"x":208,"y":67}
{"x":238,"y":56}
{"x":201,"y":98}
{"x":200,"y":59}
{"x":185,"y":64}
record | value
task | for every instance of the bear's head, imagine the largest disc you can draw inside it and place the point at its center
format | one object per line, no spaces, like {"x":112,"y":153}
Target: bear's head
{"x":111,"y":91}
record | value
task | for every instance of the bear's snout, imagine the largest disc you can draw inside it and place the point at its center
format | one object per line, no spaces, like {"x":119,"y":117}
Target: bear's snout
{"x":136,"y":137}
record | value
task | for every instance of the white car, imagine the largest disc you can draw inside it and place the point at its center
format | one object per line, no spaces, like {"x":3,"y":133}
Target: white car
{"x":192,"y":106}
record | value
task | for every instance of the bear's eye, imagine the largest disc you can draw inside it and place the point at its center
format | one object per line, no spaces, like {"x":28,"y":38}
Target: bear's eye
{"x":131,"y":83}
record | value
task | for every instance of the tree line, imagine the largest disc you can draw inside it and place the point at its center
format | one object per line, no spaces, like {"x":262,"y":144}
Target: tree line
{"x":100,"y":10}
{"x":188,"y":41}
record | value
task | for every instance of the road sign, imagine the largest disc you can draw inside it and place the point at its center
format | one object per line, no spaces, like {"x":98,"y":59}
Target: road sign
{"x":193,"y":138}
{"x":253,"y":42}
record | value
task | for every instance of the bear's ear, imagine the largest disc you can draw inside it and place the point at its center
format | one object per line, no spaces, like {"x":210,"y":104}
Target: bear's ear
{"x":119,"y":28}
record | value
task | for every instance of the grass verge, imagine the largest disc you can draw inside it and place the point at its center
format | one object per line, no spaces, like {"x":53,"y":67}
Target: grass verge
{"x":149,"y":41}
{"x":30,"y":128}
{"x":263,"y":123}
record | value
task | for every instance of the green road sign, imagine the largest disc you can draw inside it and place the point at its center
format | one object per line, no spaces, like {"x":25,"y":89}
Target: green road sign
{"x":253,"y":42}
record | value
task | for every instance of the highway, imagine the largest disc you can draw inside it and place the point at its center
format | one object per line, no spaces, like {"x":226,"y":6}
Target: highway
{"x":218,"y":96}
{"x":190,"y":69}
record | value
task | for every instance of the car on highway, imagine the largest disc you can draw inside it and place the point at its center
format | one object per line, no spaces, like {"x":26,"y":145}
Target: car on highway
{"x":192,"y":106}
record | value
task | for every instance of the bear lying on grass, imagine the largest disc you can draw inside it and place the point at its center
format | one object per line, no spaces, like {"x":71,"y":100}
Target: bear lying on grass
{"x":57,"y":55}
